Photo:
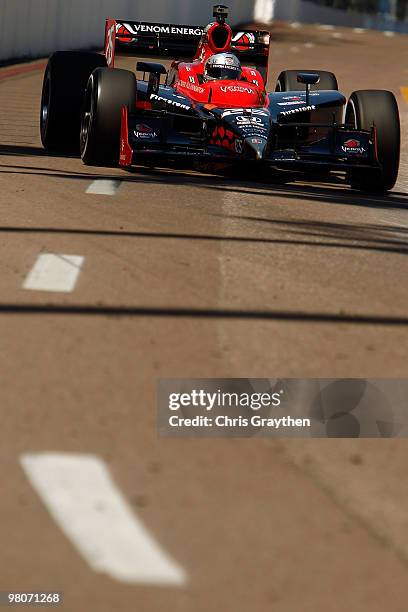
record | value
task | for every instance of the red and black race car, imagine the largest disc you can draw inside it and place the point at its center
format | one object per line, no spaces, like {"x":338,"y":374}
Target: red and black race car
{"x":214,"y":108}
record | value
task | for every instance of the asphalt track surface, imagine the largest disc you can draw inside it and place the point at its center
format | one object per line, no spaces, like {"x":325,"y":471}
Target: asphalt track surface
{"x":189,"y":275}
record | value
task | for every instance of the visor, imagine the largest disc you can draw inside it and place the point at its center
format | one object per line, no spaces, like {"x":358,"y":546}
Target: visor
{"x":225,"y":73}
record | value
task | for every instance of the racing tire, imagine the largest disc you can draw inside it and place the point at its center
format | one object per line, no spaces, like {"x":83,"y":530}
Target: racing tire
{"x":376,"y":107}
{"x":287,"y":81}
{"x":64,"y":84}
{"x":108,"y":91}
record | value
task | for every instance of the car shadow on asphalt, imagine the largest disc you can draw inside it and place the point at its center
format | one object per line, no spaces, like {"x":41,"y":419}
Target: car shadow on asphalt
{"x":289,"y":231}
{"x":282,"y":184}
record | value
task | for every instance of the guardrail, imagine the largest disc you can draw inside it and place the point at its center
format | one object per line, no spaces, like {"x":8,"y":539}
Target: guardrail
{"x":34,"y":28}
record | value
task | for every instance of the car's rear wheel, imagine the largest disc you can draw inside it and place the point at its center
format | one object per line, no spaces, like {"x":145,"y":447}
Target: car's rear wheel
{"x":108,"y":91}
{"x":379,"y":108}
{"x":63,"y":91}
{"x":287,"y":81}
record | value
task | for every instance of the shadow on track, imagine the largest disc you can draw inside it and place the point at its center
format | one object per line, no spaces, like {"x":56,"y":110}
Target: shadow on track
{"x":196,"y":313}
{"x":312,"y":233}
{"x":336,"y":192}
{"x":29,"y":151}
{"x":348,"y":235}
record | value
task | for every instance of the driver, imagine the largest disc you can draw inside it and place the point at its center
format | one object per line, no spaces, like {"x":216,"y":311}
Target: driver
{"x":222,"y":66}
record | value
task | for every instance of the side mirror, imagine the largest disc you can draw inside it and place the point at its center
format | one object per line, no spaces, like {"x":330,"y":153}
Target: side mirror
{"x":308,"y":78}
{"x":154,"y":83}
{"x":151,"y":67}
{"x":154,"y":70}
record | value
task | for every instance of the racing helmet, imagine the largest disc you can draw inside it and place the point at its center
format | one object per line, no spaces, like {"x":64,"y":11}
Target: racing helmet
{"x":225,"y":66}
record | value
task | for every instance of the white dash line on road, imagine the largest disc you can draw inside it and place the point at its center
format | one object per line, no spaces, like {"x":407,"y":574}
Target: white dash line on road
{"x":106,"y":187}
{"x":54,"y":272}
{"x":82,"y":498}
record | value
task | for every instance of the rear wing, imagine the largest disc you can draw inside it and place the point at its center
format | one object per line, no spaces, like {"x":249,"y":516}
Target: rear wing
{"x":139,"y":38}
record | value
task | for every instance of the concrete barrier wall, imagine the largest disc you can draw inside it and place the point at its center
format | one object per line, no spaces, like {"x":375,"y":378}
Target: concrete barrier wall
{"x":303,"y":11}
{"x":32,"y":28}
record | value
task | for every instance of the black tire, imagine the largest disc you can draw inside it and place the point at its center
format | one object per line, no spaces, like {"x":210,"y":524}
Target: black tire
{"x":65,"y":80}
{"x":376,"y":107}
{"x":287,"y":81}
{"x":108,"y":91}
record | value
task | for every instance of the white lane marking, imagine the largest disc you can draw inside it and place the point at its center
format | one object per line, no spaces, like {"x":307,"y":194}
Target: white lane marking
{"x":82,"y":498}
{"x":294,"y":49}
{"x":53,"y":272}
{"x":326,"y":26}
{"x":358,"y":30}
{"x":295,"y":24}
{"x":389,"y":33}
{"x":103,"y":187}
{"x":309,"y":45}
{"x":337,"y":35}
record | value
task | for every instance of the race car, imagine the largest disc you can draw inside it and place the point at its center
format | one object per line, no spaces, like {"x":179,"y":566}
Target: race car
{"x":214,"y":108}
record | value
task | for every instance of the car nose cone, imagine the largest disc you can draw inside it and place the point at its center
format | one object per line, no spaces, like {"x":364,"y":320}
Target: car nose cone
{"x":257,"y":146}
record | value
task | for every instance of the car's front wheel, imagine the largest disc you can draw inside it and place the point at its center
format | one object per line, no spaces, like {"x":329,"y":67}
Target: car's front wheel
{"x":108,"y":91}
{"x":368,"y":108}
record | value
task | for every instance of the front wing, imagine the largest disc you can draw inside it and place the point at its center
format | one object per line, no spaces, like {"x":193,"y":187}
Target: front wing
{"x":170,"y":136}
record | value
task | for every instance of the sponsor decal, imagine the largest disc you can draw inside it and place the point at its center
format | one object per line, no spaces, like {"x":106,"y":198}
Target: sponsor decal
{"x":236,"y":89}
{"x":255,"y":75}
{"x":290,"y":103}
{"x":254,"y":133}
{"x":144,"y":132}
{"x":157,"y":98}
{"x":110,"y":45}
{"x":123,"y":34}
{"x":149,"y":28}
{"x":244,"y":120}
{"x":302,"y":109}
{"x":311,"y":93}
{"x":353,"y":146}
{"x":239,"y":146}
{"x":240,"y":111}
{"x":188,"y":85}
{"x":257,"y":141}
{"x":228,"y":65}
{"x":243,"y":40}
